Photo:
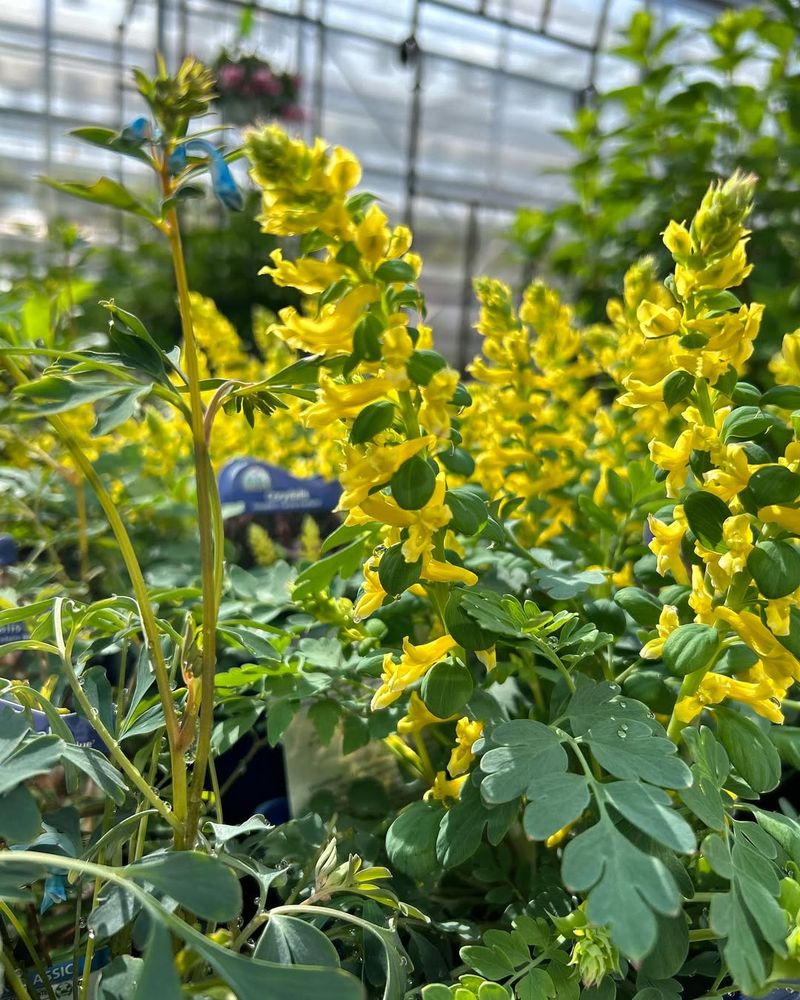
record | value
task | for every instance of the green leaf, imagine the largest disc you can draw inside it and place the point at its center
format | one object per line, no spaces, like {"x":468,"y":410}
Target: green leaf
{"x":104,"y":192}
{"x":554,"y":801}
{"x":785,"y":396}
{"x":631,"y":750}
{"x":108,"y":138}
{"x":119,"y":411}
{"x":750,"y":750}
{"x":462,"y":625}
{"x":523,"y":752}
{"x":677,"y":386}
{"x":774,"y":484}
{"x":667,"y":958}
{"x":197,"y":881}
{"x":97,"y":689}
{"x":626,"y":887}
{"x":775,"y":567}
{"x":488,"y":962}
{"x":54,"y":394}
{"x":643,"y":607}
{"x":20,"y":819}
{"x":396,"y":270}
{"x":650,"y":809}
{"x":96,"y":766}
{"x":325,"y":715}
{"x":372,"y":420}
{"x":316,"y":577}
{"x":706,"y":513}
{"x":690,"y":647}
{"x":118,"y":979}
{"x":37,"y":756}
{"x":463,"y":825}
{"x":749,"y":916}
{"x":291,"y":941}
{"x":458,"y":461}
{"x":395,"y":574}
{"x":468,"y":508}
{"x":744,"y":422}
{"x":413,"y":483}
{"x":158,"y":975}
{"x":563,"y":586}
{"x":446,"y":688}
{"x":536,"y":984}
{"x":423,"y":365}
{"x":411,"y":839}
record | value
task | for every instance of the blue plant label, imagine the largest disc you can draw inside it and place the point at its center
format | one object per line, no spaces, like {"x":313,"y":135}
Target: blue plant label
{"x":82,"y":730}
{"x":15,"y":632}
{"x":61,"y":977}
{"x":782,"y":994}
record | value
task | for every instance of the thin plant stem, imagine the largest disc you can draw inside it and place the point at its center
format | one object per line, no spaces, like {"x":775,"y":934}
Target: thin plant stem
{"x":17,"y":986}
{"x":24,"y":937}
{"x":208,"y":523}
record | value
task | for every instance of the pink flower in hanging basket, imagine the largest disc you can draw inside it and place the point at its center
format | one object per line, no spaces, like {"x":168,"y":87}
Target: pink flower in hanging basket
{"x":293,"y":113}
{"x":265,"y":82}
{"x":230,"y":76}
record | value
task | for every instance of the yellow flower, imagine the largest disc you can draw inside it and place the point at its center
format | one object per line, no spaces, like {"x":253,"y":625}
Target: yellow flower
{"x":787,"y":518}
{"x":656,"y":321}
{"x":677,"y":240}
{"x":763,"y":698}
{"x":261,"y":545}
{"x":436,"y":571}
{"x":467,"y":732}
{"x":434,"y":414}
{"x":375,"y":467}
{"x":674,"y":459}
{"x":344,"y":400}
{"x":373,"y":593}
{"x":414,"y":663}
{"x":330,"y":329}
{"x":307,"y":275}
{"x":666,"y":545}
{"x":418,"y":717}
{"x":700,"y":601}
{"x":667,"y":623}
{"x":444,"y":788}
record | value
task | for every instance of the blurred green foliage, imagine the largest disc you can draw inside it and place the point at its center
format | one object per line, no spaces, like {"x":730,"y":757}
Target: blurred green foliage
{"x":647,"y":152}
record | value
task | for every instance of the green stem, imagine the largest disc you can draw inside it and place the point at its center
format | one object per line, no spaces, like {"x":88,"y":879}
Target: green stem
{"x":208,"y":523}
{"x":13,"y":980}
{"x":128,"y":769}
{"x":31,"y":948}
{"x":146,"y":611}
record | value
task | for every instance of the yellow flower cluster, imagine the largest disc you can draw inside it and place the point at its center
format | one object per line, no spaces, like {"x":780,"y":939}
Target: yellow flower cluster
{"x":383,"y":392}
{"x":705,"y":337}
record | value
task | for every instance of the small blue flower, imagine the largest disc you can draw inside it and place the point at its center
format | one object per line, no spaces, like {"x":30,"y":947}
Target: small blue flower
{"x":222,"y":180}
{"x":55,"y":891}
{"x":177,"y":160}
{"x":138,"y":131}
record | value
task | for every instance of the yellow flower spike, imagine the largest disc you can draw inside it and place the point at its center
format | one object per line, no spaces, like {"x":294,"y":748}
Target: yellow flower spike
{"x":461,"y":757}
{"x":666,"y":545}
{"x":418,"y":717}
{"x":667,"y":623}
{"x":444,"y":788}
{"x":787,"y":518}
{"x":414,"y":663}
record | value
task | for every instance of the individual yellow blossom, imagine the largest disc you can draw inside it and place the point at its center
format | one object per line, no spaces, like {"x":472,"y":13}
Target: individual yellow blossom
{"x":787,"y":518}
{"x":461,"y":756}
{"x":445,"y":788}
{"x":737,"y":536}
{"x":330,"y":329}
{"x":307,"y":275}
{"x":488,"y":657}
{"x":373,"y":593}
{"x":436,"y":395}
{"x":667,"y":623}
{"x":674,"y":459}
{"x":436,"y":571}
{"x":656,"y":321}
{"x":418,"y":717}
{"x":344,"y":400}
{"x":666,"y":545}
{"x":763,"y":698}
{"x":786,"y":364}
{"x":414,"y":663}
{"x":374,"y":467}
{"x":700,"y":600}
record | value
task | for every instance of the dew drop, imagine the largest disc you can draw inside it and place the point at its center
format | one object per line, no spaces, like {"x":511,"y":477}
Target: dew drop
{"x":622,"y":734}
{"x":82,"y":924}
{"x":625,"y":727}
{"x":650,"y":715}
{"x":614,"y":687}
{"x":623,"y":704}
{"x":92,"y":933}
